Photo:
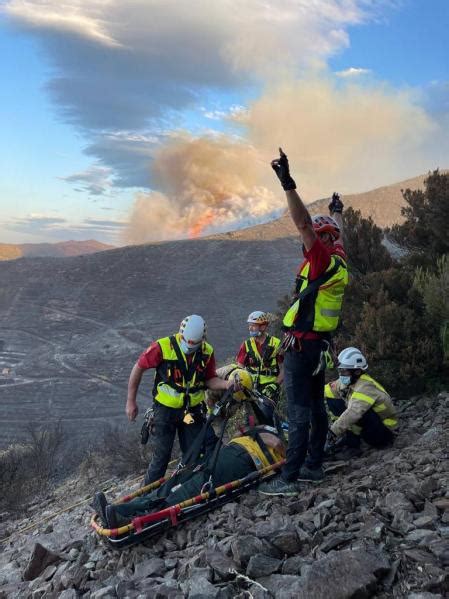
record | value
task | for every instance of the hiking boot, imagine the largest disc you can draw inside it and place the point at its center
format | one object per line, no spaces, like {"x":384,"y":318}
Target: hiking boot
{"x":111,"y":517}
{"x":115,"y":520}
{"x":311,"y":476}
{"x":100,"y":504}
{"x":278,"y":486}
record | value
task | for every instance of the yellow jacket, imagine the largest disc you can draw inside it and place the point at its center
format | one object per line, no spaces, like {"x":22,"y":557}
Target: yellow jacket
{"x":363,"y":395}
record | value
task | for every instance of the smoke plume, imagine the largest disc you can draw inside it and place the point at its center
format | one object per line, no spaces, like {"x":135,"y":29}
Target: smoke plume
{"x":345,"y":137}
{"x":207,"y":184}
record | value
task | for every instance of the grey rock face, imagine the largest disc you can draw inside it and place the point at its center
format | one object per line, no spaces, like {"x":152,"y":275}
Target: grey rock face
{"x":262,"y":565}
{"x":41,"y":557}
{"x":353,"y":574}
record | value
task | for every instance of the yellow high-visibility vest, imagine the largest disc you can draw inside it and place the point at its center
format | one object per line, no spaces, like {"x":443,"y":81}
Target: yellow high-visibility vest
{"x":263,"y":368}
{"x":320,"y":310}
{"x":171,"y":387}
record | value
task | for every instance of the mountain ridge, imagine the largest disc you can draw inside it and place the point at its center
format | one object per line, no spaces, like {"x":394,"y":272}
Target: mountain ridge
{"x":60,"y":249}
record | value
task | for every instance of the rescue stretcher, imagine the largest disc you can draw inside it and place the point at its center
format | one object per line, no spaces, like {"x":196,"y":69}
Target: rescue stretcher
{"x":144,"y":527}
{"x":155,"y":523}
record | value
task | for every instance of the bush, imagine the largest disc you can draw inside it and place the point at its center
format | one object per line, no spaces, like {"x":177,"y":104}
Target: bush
{"x":363,"y":244}
{"x":424,"y":232}
{"x":434,"y":288}
{"x":118,"y":452}
{"x":27,"y":470}
{"x":398,"y":338}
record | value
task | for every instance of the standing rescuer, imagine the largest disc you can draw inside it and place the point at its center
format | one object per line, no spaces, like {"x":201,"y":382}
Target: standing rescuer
{"x":260,"y":356}
{"x":313,"y":315}
{"x":185,"y":366}
{"x":360,"y":406}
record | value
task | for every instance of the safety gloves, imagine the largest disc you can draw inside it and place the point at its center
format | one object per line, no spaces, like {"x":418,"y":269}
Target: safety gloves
{"x":281,"y":168}
{"x":336,"y":205}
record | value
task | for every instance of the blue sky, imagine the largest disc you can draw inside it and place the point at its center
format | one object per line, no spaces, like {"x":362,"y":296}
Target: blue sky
{"x":128,"y":124}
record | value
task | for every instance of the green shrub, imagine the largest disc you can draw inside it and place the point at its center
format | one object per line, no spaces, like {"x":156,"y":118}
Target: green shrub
{"x":399,"y":340}
{"x":363,"y":244}
{"x":434,"y":288}
{"x":424,"y":232}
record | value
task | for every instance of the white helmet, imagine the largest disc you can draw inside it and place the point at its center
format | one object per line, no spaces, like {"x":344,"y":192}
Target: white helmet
{"x":352,"y":358}
{"x":192,"y":332}
{"x":258,"y":317}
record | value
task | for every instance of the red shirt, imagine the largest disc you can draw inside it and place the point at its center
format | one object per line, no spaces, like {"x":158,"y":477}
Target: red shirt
{"x":319,"y":258}
{"x":241,"y":356}
{"x":152,"y":358}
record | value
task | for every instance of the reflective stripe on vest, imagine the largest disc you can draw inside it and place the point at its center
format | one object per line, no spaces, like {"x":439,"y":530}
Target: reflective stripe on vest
{"x":325,"y":304}
{"x":171,"y":386}
{"x":262,"y":372}
{"x":362,"y":397}
{"x":328,"y":392}
{"x":252,"y":447}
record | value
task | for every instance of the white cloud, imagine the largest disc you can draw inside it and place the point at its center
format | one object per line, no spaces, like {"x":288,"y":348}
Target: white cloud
{"x":95,"y":180}
{"x":352,"y":72}
{"x":61,"y":229}
{"x":128,"y":66}
{"x":70,"y":17}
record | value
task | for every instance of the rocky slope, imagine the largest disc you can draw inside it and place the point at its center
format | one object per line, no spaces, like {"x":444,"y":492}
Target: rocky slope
{"x":377,"y":527}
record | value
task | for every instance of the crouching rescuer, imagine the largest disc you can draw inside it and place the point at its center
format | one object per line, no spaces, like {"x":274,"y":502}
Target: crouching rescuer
{"x":185,"y":367}
{"x":313,"y":315}
{"x":359,"y":406}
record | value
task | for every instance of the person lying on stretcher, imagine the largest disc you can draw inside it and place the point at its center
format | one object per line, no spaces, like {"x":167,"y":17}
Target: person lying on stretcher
{"x":253,"y":448}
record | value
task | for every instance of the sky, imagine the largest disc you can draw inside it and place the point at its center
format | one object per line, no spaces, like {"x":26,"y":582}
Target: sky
{"x":157,"y":119}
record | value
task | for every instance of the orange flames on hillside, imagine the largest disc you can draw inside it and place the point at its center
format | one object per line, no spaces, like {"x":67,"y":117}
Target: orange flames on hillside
{"x":204,"y":221}
{"x":207,"y":184}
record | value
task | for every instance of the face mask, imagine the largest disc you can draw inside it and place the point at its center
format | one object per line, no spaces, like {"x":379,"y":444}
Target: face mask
{"x":188,"y":349}
{"x":255,"y":333}
{"x":345,"y":380}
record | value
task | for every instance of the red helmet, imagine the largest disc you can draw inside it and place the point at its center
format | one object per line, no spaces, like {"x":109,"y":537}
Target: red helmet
{"x":326,"y":224}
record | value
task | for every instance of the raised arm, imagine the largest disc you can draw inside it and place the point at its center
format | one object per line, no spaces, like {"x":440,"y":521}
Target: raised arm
{"x":299,"y":213}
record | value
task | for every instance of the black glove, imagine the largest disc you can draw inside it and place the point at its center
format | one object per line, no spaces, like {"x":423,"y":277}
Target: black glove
{"x":332,"y":443}
{"x":281,"y":168}
{"x":336,"y":205}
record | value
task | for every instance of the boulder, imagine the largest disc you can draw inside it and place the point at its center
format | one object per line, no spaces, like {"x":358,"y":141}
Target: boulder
{"x":335,"y":540}
{"x":353,"y":574}
{"x":283,"y":585}
{"x":151,"y":567}
{"x":245,"y":546}
{"x":262,"y":565}
{"x":40,"y":558}
{"x":221,"y":564}
{"x":286,"y":541}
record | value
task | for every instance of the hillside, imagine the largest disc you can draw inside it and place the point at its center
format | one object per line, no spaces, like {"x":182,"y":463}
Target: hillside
{"x":377,"y":527}
{"x":383,"y":205}
{"x":71,"y":329}
{"x":11,"y":251}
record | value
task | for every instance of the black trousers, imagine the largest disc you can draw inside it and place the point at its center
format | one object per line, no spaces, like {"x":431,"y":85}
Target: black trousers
{"x":307,"y":416}
{"x":373,"y":432}
{"x":168,"y":422}
{"x":233,"y":462}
